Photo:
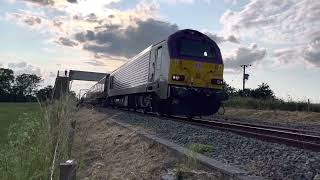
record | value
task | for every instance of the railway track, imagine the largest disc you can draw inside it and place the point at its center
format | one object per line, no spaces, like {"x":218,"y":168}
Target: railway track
{"x":292,"y":137}
{"x":281,"y":135}
{"x":236,"y":121}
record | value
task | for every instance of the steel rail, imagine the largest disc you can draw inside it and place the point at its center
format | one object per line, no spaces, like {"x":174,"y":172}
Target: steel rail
{"x":280,"y":135}
{"x":265,"y":133}
{"x":302,"y":131}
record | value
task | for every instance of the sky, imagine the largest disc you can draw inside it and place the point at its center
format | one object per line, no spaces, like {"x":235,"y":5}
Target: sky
{"x":279,"y":38}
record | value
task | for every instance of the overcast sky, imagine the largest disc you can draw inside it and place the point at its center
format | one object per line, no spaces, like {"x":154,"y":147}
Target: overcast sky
{"x":280,"y":38}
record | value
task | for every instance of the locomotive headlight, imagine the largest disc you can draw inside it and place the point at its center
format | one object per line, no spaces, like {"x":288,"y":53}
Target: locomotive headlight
{"x":178,"y":77}
{"x":217,"y":81}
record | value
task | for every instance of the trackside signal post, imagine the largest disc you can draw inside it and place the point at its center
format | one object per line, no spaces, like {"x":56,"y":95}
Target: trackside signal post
{"x":245,"y":76}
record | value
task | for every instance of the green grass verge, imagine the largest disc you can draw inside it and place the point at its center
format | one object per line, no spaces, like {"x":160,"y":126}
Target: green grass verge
{"x":33,"y":133}
{"x":10,"y":113}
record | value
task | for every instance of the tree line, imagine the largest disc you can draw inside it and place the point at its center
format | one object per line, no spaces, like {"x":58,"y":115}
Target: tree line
{"x":22,"y":88}
{"x":263,"y":91}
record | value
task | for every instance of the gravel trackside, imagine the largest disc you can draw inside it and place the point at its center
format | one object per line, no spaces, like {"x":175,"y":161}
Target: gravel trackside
{"x":105,"y":150}
{"x":269,"y":160}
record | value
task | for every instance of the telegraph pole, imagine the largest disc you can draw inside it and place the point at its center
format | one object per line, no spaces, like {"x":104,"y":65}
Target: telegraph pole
{"x":245,"y":76}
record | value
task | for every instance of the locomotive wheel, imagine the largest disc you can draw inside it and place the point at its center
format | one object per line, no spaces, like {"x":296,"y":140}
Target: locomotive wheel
{"x":168,"y":114}
{"x":159,"y":114}
{"x":158,"y":109}
{"x":144,"y":110}
{"x":189,"y":117}
{"x":221,"y":110}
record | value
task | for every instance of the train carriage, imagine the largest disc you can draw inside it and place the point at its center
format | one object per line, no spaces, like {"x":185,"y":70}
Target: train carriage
{"x":181,"y":75}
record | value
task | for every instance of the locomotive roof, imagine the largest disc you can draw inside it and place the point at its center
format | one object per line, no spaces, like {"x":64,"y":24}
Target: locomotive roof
{"x":173,"y":37}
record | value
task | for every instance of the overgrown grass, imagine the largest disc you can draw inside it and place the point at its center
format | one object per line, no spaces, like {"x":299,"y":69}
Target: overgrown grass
{"x":37,"y":142}
{"x":201,"y":148}
{"x":10,"y":112}
{"x":271,"y":104}
{"x":191,"y":162}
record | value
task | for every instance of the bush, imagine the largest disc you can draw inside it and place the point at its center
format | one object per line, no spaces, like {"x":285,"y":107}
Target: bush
{"x":270,"y":104}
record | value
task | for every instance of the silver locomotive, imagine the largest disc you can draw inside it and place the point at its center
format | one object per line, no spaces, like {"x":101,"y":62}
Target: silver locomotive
{"x":181,"y":75}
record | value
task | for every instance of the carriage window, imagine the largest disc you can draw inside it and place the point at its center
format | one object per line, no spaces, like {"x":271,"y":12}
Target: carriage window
{"x":189,"y":47}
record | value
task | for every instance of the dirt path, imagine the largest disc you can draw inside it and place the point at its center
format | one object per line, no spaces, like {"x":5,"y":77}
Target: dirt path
{"x":105,"y":150}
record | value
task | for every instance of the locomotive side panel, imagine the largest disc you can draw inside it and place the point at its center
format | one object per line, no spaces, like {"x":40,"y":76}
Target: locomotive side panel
{"x":132,"y":77}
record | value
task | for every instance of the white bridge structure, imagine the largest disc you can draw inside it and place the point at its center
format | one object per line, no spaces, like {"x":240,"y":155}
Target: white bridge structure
{"x":64,"y":80}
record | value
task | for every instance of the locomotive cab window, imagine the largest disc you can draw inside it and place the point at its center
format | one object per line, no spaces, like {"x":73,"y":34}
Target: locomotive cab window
{"x":195,"y":48}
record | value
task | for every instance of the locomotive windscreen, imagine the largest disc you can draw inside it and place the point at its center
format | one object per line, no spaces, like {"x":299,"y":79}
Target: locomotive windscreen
{"x":193,"y":45}
{"x":195,"y":48}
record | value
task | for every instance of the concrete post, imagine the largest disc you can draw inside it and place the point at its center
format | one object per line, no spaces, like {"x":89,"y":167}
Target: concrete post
{"x":68,"y":170}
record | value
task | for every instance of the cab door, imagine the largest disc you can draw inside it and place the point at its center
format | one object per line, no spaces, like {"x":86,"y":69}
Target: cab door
{"x":152,"y":66}
{"x":155,"y":64}
{"x":158,"y":57}
{"x":155,"y":67}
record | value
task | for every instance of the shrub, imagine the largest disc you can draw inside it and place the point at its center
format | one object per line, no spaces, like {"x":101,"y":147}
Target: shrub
{"x":270,"y":104}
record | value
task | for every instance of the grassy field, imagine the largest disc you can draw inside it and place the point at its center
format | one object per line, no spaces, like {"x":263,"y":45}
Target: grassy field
{"x":271,"y":104}
{"x":273,"y":116}
{"x":34,"y":139}
{"x":10,"y":113}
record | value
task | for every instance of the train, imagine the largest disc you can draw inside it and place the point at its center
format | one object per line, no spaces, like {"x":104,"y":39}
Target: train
{"x":180,"y":75}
